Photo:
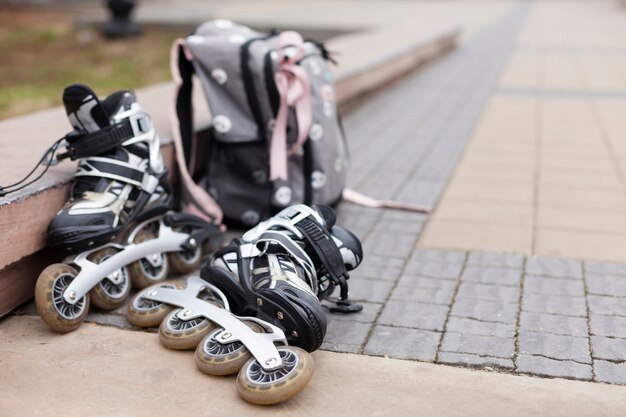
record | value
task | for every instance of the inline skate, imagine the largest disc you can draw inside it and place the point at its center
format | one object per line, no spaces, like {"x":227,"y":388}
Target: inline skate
{"x":283,"y":268}
{"x":120,"y":192}
{"x":269,"y":371}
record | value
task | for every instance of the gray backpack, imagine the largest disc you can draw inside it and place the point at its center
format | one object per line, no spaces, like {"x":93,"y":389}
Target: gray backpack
{"x":276,"y":137}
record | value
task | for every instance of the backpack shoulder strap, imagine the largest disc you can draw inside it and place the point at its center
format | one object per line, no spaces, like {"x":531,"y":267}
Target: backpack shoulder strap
{"x":184,"y":135}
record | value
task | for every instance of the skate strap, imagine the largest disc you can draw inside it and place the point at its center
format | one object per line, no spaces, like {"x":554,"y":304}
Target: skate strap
{"x":327,"y":251}
{"x":118,"y":171}
{"x":98,"y":142}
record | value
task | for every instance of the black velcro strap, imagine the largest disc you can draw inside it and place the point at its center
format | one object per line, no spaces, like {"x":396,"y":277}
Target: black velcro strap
{"x":326,"y":250}
{"x":125,"y":174}
{"x":96,"y":143}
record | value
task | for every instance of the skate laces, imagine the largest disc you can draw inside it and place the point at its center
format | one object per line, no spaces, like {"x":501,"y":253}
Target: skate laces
{"x":46,"y":160}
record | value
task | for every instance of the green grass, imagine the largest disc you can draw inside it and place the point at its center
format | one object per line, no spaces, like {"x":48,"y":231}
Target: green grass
{"x":38,"y":60}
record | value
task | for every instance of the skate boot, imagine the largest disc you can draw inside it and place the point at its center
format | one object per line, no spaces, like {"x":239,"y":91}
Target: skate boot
{"x":269,"y":371}
{"x":120,"y":192}
{"x":281,"y":270}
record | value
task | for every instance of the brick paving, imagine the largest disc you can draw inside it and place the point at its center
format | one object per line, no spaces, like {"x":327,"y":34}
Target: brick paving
{"x":477,"y":307}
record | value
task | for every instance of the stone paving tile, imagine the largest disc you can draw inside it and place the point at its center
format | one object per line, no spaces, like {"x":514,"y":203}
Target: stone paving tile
{"x":403,"y":343}
{"x":340,"y":347}
{"x":474,"y":360}
{"x":390,"y":244}
{"x":538,"y":365}
{"x":416,"y":315}
{"x":605,"y":268}
{"x":433,"y":269}
{"x":555,"y":346}
{"x":346,"y":333}
{"x":611,"y":285}
{"x":371,"y":290}
{"x":552,"y":267}
{"x":484,"y":310}
{"x":501,"y":347}
{"x":613,"y":373}
{"x":378,"y":267}
{"x":480,"y":328}
{"x":492,"y":275}
{"x":608,"y":348}
{"x":424,"y":289}
{"x":437,"y":256}
{"x":367,"y":315}
{"x":607,"y":305}
{"x":551,"y":323}
{"x":613,"y":326}
{"x":554,"y":304}
{"x":503,"y":260}
{"x":478,"y":291}
{"x":537,"y":284}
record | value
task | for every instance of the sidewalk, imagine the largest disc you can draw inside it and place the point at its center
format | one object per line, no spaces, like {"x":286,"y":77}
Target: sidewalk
{"x":519,"y":273}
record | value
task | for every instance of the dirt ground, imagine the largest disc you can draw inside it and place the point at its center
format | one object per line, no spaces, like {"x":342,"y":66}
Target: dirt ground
{"x":42,"y":51}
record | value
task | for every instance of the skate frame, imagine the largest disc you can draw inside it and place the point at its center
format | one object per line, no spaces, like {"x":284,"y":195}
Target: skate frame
{"x":261,"y":345}
{"x":92,"y":273}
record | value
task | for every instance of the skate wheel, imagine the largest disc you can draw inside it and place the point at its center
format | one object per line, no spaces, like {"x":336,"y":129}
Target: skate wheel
{"x":175,"y":333}
{"x":185,"y":261}
{"x":146,"y":272}
{"x":258,"y":386}
{"x":61,"y":316}
{"x":143,"y":312}
{"x":214,"y":358}
{"x":107,"y":295}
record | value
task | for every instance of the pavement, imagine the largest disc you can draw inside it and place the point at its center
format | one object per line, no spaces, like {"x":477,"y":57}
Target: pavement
{"x":509,"y":298}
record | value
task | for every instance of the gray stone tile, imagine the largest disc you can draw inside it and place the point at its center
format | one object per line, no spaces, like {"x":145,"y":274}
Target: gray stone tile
{"x":537,"y":284}
{"x":537,"y":365}
{"x":394,"y":226}
{"x":613,"y":326}
{"x":605,"y":268}
{"x":501,"y":347}
{"x":613,"y":373}
{"x":485,"y":310}
{"x":378,"y":267}
{"x":554,"y":304}
{"x":477,"y":291}
{"x":405,"y":216}
{"x":415,"y":315}
{"x":555,"y":346}
{"x":371,"y":290}
{"x":390,"y":244}
{"x":474,"y":360}
{"x":471,"y":326}
{"x":607,"y":305}
{"x":424,"y":289}
{"x":503,"y":260}
{"x":109,"y":320}
{"x":553,"y":267}
{"x":438,"y":256}
{"x":346,"y":332}
{"x":403,"y":343}
{"x":433,"y":269}
{"x":340,"y":347}
{"x":367,"y":315}
{"x":608,"y":348}
{"x":550,"y":323}
{"x":611,"y":285}
{"x":492,"y":275}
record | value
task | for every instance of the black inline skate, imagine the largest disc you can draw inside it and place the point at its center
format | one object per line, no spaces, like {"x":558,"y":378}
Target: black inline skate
{"x":120,"y":192}
{"x":280,"y":270}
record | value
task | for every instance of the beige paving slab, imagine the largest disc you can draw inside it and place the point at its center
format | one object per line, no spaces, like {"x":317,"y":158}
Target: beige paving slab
{"x":580,"y":245}
{"x":480,"y":236}
{"x":498,"y":213}
{"x":489,"y":192}
{"x":111,"y":372}
{"x":589,"y":220}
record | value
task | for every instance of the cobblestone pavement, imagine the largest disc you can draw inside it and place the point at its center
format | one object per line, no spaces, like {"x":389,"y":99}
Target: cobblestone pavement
{"x":531,"y":315}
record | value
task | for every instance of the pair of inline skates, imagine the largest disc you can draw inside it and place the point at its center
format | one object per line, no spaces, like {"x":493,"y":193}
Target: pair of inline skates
{"x":253,"y":298}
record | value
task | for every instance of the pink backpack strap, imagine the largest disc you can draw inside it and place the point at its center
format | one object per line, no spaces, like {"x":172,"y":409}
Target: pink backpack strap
{"x":198,"y":200}
{"x":294,"y":89}
{"x":363,"y":200}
